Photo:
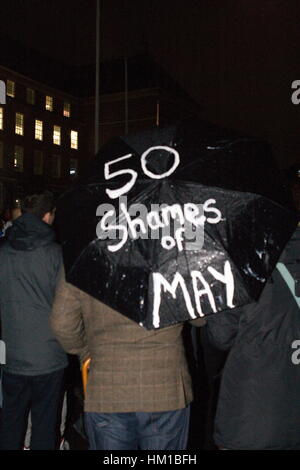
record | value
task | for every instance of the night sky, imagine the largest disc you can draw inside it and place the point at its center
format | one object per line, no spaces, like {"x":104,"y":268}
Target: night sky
{"x":237,"y":58}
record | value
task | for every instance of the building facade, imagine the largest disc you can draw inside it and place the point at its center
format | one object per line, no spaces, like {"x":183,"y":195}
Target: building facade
{"x":41,"y":141}
{"x":47,"y":134}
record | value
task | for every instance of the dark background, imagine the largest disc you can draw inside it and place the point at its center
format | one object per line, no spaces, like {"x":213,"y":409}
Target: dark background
{"x":237,"y":58}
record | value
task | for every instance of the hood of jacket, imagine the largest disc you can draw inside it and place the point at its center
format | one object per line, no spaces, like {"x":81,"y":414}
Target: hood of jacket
{"x":29,"y":232}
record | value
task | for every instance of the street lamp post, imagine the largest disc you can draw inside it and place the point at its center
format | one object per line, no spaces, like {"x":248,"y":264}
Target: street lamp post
{"x":97,"y":80}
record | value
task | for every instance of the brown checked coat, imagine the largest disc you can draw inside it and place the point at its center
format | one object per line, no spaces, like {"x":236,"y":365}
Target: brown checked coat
{"x":132,"y":369}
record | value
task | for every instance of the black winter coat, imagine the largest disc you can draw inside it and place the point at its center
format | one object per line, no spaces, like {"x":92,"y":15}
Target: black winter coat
{"x":259,"y":400}
{"x":29,"y":265}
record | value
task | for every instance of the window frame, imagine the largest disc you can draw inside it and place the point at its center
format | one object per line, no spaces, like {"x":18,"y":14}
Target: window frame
{"x":30,"y":96}
{"x":10,"y":88}
{"x":72,"y":145}
{"x":40,"y":154}
{"x":56,"y":134}
{"x":21,"y":168}
{"x":19,"y":127}
{"x":49,"y":103}
{"x":67,"y":109}
{"x":58,"y":166}
{"x":38,"y":132}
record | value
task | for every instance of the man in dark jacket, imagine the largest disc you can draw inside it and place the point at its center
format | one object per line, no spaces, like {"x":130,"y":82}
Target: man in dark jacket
{"x":33,"y":375}
{"x":258,"y":406}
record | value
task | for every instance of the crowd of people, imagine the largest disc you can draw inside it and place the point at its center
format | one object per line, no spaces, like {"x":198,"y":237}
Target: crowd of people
{"x":141,"y":383}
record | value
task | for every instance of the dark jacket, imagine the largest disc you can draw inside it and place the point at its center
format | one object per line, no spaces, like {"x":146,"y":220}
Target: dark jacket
{"x":29,"y":264}
{"x":258,"y":405}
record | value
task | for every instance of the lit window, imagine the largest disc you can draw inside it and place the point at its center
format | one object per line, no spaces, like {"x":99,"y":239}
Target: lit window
{"x":73,"y":167}
{"x":38,"y":162}
{"x":1,"y":118}
{"x":30,"y":96}
{"x":55,"y":169}
{"x":18,"y":158}
{"x":49,"y":103}
{"x":1,"y":154}
{"x":19,"y":126}
{"x":10,"y":88}
{"x":67,"y":109}
{"x":56,"y":135}
{"x":74,"y":140}
{"x":38,"y":131}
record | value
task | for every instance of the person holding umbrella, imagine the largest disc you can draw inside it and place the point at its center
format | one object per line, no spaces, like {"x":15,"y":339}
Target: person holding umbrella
{"x":258,"y":405}
{"x":161,"y":235}
{"x":139,"y":387}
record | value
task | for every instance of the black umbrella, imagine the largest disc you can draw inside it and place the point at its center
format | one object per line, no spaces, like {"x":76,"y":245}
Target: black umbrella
{"x":176,"y":223}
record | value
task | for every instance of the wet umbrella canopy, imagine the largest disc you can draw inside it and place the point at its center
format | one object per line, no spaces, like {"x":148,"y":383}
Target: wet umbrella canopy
{"x":176,"y":223}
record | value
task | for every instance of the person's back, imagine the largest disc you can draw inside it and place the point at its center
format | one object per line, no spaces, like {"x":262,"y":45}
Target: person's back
{"x":139,"y":387}
{"x":29,"y":264}
{"x":260,"y":389}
